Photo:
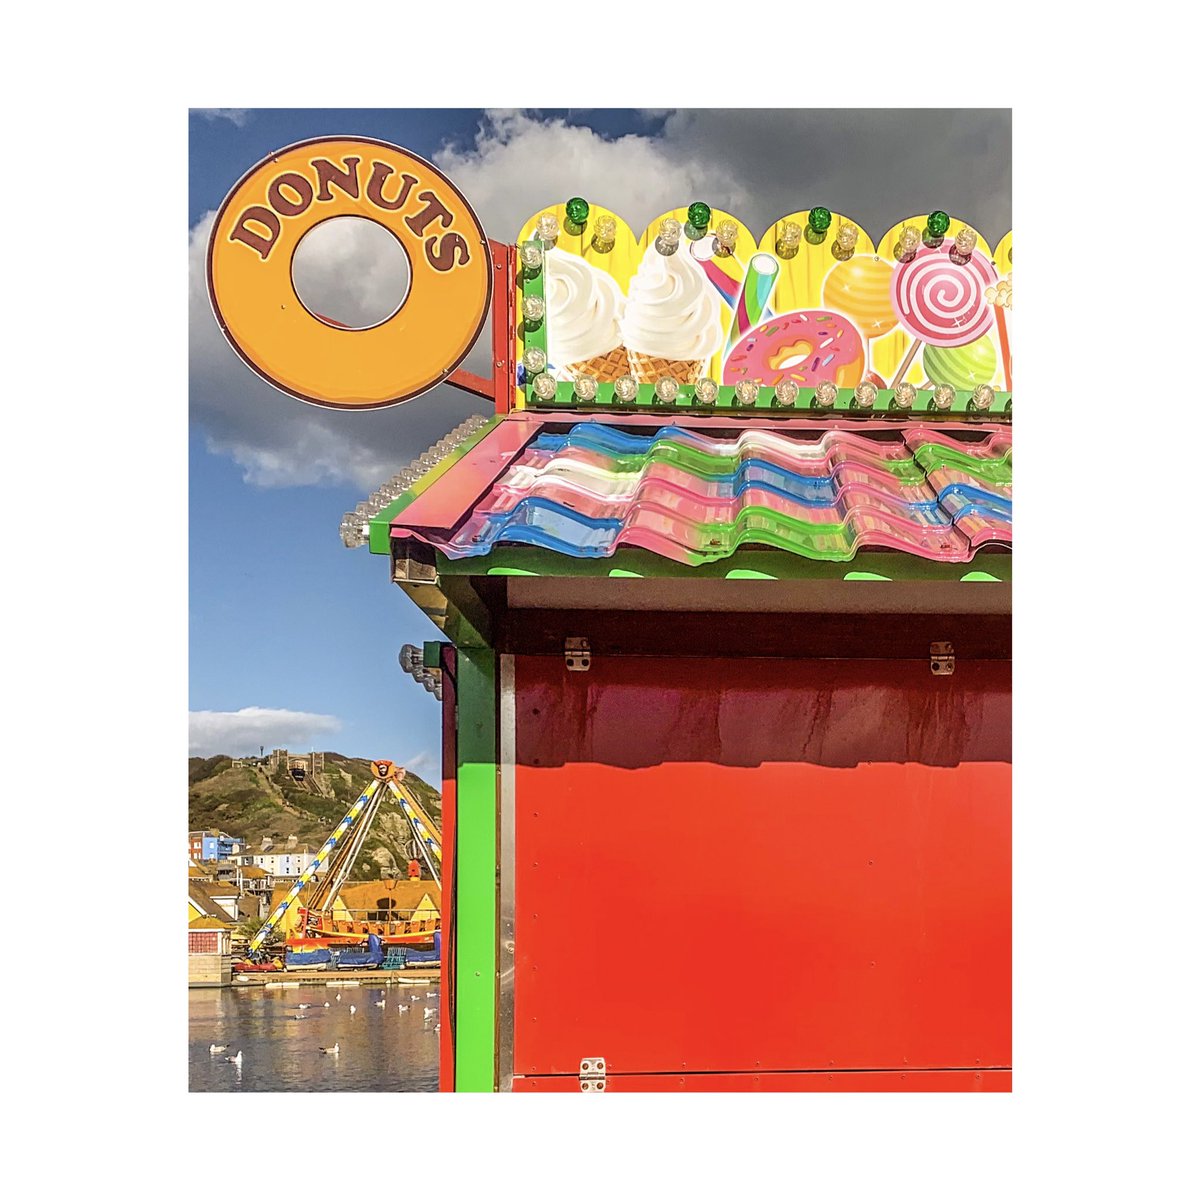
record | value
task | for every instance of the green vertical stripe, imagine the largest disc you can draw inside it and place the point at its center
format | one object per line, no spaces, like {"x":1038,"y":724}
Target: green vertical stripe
{"x":475,"y":873}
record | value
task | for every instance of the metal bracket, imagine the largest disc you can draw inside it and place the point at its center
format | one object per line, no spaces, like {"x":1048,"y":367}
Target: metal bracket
{"x":941,"y":658}
{"x":578,"y":654}
{"x":592,"y":1075}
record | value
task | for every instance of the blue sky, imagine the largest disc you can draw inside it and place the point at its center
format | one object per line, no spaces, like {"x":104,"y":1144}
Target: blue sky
{"x":293,"y":638}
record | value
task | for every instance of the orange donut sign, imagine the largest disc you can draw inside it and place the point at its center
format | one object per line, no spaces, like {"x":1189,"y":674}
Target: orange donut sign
{"x":282,"y":198}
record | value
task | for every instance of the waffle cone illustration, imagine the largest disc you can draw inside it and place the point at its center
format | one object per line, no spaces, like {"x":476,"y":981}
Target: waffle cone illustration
{"x":649,"y":368}
{"x":603,"y":368}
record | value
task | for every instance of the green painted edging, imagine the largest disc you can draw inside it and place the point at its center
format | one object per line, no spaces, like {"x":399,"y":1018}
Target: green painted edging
{"x":475,"y":874}
{"x":380,"y":541}
{"x":760,"y":564}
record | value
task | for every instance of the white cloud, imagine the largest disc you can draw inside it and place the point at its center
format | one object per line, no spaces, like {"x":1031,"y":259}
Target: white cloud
{"x":419,"y":764}
{"x":238,"y":116}
{"x":243,"y":731}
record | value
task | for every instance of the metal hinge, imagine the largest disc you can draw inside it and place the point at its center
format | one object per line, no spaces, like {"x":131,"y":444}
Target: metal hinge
{"x":941,"y":658}
{"x":592,"y":1075}
{"x":578,"y":654}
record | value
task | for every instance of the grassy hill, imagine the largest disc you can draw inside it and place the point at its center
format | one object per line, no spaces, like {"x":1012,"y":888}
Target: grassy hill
{"x":252,"y":803}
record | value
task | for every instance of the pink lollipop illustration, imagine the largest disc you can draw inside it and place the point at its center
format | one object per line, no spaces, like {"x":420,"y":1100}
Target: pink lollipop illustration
{"x":940,"y":301}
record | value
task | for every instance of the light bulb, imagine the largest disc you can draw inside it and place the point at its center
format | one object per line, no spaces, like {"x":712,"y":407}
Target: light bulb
{"x":865,"y":394}
{"x":786,"y":391}
{"x":787,"y":241}
{"x":533,"y":309}
{"x":746,"y":391}
{"x":964,"y":244}
{"x":727,"y":236}
{"x":577,"y":210}
{"x":547,"y":228}
{"x":908,"y":243}
{"x":585,"y":388}
{"x":699,"y":215}
{"x":544,"y":386}
{"x":935,"y":227}
{"x":706,"y":391}
{"x":669,"y":233}
{"x":819,"y":220}
{"x":534,"y":360}
{"x":531,"y":257}
{"x":604,"y":237}
{"x":983,"y":396}
{"x":943,"y":397}
{"x":626,"y":388}
{"x":826,"y":393}
{"x":665,"y":391}
{"x":904,"y":395}
{"x":847,"y":236}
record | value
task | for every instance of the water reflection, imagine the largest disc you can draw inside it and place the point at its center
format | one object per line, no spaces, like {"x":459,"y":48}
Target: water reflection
{"x":380,"y":1049}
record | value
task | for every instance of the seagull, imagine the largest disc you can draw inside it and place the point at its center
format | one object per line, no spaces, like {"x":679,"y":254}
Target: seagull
{"x":429,"y":1013}
{"x":334,"y":1049}
{"x":414,"y":997}
{"x":326,"y":1003}
{"x":381,"y":1004}
{"x":437,"y":1027}
{"x":236,"y":1059}
{"x":338,"y":996}
{"x":215,"y":1049}
{"x":298,"y":1017}
{"x":353,"y":1010}
{"x":304,"y":1006}
{"x":402,"y":1008}
{"x":430,"y":995}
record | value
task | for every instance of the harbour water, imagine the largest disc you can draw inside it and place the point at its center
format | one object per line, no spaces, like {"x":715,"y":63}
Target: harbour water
{"x":380,"y":1049}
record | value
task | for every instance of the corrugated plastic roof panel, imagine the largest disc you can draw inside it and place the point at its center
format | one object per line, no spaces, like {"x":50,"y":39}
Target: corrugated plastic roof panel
{"x":695,"y":499}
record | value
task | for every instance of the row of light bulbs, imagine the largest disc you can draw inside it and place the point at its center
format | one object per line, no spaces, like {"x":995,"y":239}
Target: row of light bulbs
{"x":412,"y":662}
{"x":355,"y":526}
{"x":787,"y":240}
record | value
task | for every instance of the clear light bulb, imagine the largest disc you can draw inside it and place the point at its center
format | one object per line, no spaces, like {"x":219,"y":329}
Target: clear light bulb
{"x":604,"y":235}
{"x":534,"y":360}
{"x":547,"y":228}
{"x":585,"y":388}
{"x":826,"y":393}
{"x":983,"y":396}
{"x":746,"y":391}
{"x":706,"y":391}
{"x":847,"y":236}
{"x":787,"y":241}
{"x":904,"y":395}
{"x":943,"y":397}
{"x":665,"y":391}
{"x":865,"y":394}
{"x":669,"y":233}
{"x":544,"y":386}
{"x":626,"y":388}
{"x":786,"y":391}
{"x":531,"y":257}
{"x":533,"y":308}
{"x":908,"y":243}
{"x":727,"y":236}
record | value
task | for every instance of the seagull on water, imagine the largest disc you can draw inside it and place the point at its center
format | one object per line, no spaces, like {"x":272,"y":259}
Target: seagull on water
{"x":430,"y":995}
{"x":236,"y":1059}
{"x":402,"y":1008}
{"x":353,"y":1010}
{"x":326,"y":1003}
{"x":338,"y":996}
{"x":215,"y":1049}
{"x":429,"y":1013}
{"x":334,"y":1049}
{"x":304,"y":1006}
{"x":437,"y":1027}
{"x":298,"y":1017}
{"x":381,"y":1004}
{"x":414,"y":997}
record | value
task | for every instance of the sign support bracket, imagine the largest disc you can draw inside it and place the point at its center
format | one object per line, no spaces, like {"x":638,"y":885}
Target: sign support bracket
{"x":497,"y":388}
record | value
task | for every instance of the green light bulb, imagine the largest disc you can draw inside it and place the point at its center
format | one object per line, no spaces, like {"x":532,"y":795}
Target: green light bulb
{"x":699,"y":215}
{"x":938,"y":223}
{"x":820,"y":219}
{"x":577,"y":210}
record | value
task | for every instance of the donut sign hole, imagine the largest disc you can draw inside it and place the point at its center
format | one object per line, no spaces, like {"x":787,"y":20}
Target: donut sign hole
{"x":791,"y":356}
{"x":351,"y":273}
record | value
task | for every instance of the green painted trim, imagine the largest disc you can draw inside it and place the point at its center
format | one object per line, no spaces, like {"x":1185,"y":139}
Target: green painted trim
{"x":765,"y":405}
{"x":742,"y":564}
{"x":380,"y":541}
{"x":475,"y":902}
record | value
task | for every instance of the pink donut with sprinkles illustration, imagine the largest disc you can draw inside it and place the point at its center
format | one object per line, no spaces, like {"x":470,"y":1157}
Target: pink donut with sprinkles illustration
{"x":806,"y":347}
{"x":943,"y":302}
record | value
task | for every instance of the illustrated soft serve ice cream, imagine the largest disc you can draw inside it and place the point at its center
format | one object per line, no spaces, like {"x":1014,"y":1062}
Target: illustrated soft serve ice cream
{"x":672,"y":322}
{"x":583,"y":312}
